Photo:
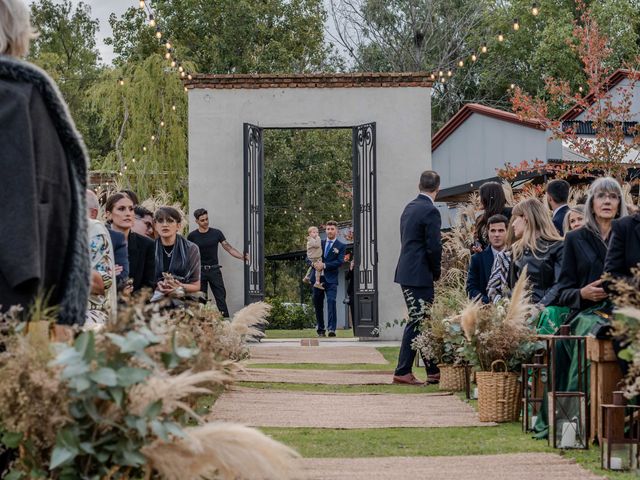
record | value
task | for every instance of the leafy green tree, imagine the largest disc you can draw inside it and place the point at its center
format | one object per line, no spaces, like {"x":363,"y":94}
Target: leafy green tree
{"x":66,"y":48}
{"x":143,"y":109}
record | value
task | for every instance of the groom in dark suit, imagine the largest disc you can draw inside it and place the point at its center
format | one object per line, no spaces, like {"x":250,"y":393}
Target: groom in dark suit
{"x":482,"y":262}
{"x":333,"y":251}
{"x":418,"y":268}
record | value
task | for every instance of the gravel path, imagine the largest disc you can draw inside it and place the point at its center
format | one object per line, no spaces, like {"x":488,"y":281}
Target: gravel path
{"x":264,"y":408}
{"x":520,"y":466}
{"x":323,"y":377}
{"x":321,"y":354}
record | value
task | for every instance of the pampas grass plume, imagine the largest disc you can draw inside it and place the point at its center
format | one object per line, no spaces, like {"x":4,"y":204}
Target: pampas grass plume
{"x":222,"y":451}
{"x":246,"y":321}
{"x":520,"y":306}
{"x":469,"y":318}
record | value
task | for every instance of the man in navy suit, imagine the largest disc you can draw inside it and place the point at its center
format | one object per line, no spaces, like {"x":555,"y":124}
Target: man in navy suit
{"x":558,"y":196}
{"x":418,"y":268}
{"x":332,"y":258}
{"x":482,"y":262}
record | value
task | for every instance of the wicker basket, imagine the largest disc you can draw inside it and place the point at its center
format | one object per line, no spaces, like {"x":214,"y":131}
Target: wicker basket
{"x":452,"y":378}
{"x":498,"y":395}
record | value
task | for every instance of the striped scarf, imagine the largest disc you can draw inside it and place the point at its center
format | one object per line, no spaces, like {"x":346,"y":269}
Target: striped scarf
{"x":498,"y":285}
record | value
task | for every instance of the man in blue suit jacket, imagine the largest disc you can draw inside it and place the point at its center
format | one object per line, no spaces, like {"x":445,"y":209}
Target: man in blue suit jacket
{"x":418,"y":268}
{"x":332,"y":258}
{"x":557,"y":197}
{"x":482,"y":262}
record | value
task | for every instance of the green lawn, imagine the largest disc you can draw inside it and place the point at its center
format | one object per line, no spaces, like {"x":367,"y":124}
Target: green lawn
{"x":305,"y":333}
{"x":389,"y":353}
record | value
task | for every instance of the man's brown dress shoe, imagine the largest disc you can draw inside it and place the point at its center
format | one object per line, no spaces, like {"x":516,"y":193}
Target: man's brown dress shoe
{"x":408,"y":379}
{"x":433,"y":379}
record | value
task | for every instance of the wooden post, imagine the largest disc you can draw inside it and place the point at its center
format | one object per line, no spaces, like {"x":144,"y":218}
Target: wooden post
{"x":605,"y":377}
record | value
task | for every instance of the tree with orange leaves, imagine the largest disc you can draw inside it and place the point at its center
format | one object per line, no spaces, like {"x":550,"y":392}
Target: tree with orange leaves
{"x":615,"y":142}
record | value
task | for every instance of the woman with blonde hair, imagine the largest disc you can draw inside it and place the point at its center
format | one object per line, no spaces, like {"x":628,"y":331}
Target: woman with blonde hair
{"x":574,"y":219}
{"x":44,"y":177}
{"x":537,"y":246}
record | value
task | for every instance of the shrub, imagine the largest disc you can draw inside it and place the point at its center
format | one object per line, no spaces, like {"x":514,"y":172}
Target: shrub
{"x":289,"y":316}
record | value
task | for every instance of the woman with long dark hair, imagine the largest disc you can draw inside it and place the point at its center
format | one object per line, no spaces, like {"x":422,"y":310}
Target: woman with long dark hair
{"x":140,"y":249}
{"x":177,"y":259}
{"x":494,"y":202}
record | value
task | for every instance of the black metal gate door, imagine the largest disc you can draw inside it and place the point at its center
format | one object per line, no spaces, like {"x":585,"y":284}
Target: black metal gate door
{"x":365,"y":247}
{"x":254,"y":214}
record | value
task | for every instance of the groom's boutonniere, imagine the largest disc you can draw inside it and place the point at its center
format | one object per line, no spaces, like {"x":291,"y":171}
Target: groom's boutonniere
{"x":335,"y":250}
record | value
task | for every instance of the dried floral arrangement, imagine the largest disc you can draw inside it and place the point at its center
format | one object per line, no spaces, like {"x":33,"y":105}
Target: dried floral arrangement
{"x":440,"y":338}
{"x":626,"y":298}
{"x":501,"y":331}
{"x":121,"y":403}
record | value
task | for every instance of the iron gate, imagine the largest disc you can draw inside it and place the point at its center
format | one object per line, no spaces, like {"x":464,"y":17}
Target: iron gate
{"x":365,"y":323}
{"x":254,"y":214}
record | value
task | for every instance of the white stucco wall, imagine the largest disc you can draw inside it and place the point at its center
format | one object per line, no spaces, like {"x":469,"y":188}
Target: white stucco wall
{"x":403,"y":123}
{"x":482,"y":145}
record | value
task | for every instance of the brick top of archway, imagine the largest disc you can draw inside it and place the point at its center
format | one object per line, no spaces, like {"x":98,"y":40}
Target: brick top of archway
{"x":310,"y":80}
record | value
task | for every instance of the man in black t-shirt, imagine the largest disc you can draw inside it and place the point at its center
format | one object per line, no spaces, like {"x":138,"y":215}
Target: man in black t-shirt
{"x":208,"y":240}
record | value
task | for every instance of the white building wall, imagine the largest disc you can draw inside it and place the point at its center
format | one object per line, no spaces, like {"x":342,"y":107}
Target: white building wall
{"x":482,"y":145}
{"x":616,"y":96}
{"x":403,"y":127}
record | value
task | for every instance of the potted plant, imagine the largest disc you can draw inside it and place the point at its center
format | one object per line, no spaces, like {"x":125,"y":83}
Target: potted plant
{"x":499,"y":336}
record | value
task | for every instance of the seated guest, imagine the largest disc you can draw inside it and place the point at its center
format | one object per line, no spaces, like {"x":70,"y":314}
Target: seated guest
{"x":557,"y":196}
{"x":481,"y":263}
{"x":140,"y":250}
{"x":538,"y":246}
{"x":177,"y":259}
{"x":143,"y":222}
{"x":493,"y":202}
{"x":624,"y":248}
{"x":585,"y":249}
{"x":574,"y":219}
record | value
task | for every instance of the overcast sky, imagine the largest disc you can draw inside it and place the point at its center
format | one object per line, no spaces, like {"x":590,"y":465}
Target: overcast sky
{"x":101,"y":9}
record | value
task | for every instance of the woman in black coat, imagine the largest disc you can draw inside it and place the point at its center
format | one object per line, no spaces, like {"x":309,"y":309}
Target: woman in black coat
{"x":141,"y":250}
{"x":585,"y":249}
{"x":624,"y":248}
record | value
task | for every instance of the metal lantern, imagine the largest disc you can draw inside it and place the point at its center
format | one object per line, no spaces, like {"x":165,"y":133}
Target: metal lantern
{"x":620,"y":434}
{"x":534,"y":378}
{"x":568,"y":420}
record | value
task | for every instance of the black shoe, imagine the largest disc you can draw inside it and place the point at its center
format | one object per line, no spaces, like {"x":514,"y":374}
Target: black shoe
{"x":332,"y":334}
{"x":321,"y":334}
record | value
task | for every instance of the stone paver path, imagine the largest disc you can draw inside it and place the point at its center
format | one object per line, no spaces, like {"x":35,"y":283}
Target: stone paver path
{"x":322,"y":377}
{"x":321,"y":354}
{"x":264,"y":408}
{"x":520,"y":466}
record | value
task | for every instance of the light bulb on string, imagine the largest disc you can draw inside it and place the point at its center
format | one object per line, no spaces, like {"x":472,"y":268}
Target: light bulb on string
{"x":173,"y":63}
{"x":580,"y":89}
{"x":432,"y":76}
{"x":441,"y":73}
{"x":444,"y":80}
{"x":512,"y":86}
{"x":158,"y":33}
{"x":141,"y":4}
{"x":162,"y":123}
{"x":121,"y":81}
{"x":125,"y":167}
{"x":500,"y":37}
{"x":144,"y":149}
{"x":182,"y":74}
{"x":133,"y":160}
{"x":473,"y":57}
{"x":120,"y":173}
{"x":153,"y":138}
{"x":516,"y":24}
{"x":173,"y":107}
{"x":483,"y":48}
{"x":152,"y":20}
{"x":189,"y":77}
{"x":180,"y":69}
{"x":461,"y":63}
{"x":168,"y":45}
{"x":167,"y":55}
{"x":534,"y":9}
{"x":186,"y":90}
{"x":449,"y":73}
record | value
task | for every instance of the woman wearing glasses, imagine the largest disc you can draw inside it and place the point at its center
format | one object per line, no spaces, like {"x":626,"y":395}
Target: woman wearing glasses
{"x":585,"y":248}
{"x":177,"y":259}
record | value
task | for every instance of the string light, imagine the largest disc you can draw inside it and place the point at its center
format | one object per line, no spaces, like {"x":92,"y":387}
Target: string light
{"x":186,"y":90}
{"x":162,"y":123}
{"x":449,"y":73}
{"x":500,"y":37}
{"x":473,"y":57}
{"x":144,"y":149}
{"x":168,"y":45}
{"x":158,"y":33}
{"x":441,"y":73}
{"x":516,"y":25}
{"x":580,"y":89}
{"x":432,"y":76}
{"x":534,"y":9}
{"x":142,"y":4}
{"x":121,"y":81}
{"x":483,"y":48}
{"x":153,"y":138}
{"x":180,"y":69}
{"x":167,"y":55}
{"x":133,"y":160}
{"x":189,"y":77}
{"x":173,"y":107}
{"x":461,"y":63}
{"x":182,"y":74}
{"x":512,"y":86}
{"x":152,"y":21}
{"x":173,"y":63}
